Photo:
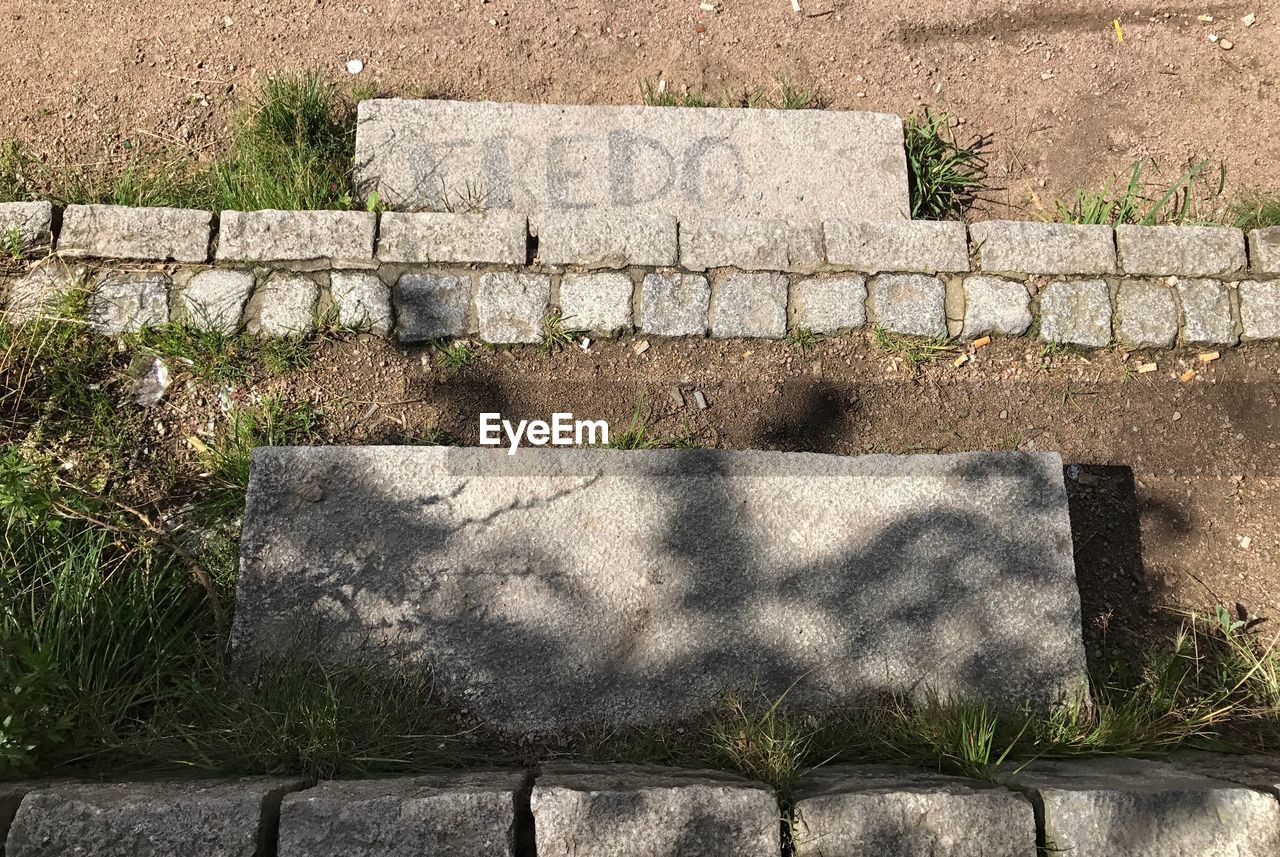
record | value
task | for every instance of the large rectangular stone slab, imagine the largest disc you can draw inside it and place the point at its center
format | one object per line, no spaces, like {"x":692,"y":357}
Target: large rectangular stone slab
{"x":206,"y":818}
{"x":644,"y":810}
{"x":534,"y":158}
{"x":896,"y":811}
{"x":471,"y":813}
{"x":553,"y":589}
{"x":124,"y":232}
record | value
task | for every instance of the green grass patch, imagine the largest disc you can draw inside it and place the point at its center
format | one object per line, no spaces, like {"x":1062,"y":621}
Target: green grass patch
{"x":557,"y":334}
{"x":1256,"y":211}
{"x":915,"y":351}
{"x":1191,"y":198}
{"x":454,"y":355}
{"x":782,"y":95}
{"x":944,"y":176}
{"x":803,"y":338}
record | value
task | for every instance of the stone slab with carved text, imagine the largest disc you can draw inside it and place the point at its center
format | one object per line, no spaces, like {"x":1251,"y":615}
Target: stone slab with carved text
{"x":534,"y":158}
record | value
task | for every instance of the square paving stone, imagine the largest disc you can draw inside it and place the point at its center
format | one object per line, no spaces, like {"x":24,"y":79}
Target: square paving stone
{"x":829,"y":304}
{"x":1206,"y":313}
{"x":128,"y":301}
{"x":431,"y":306}
{"x":1260,"y":309}
{"x":1076,"y":312}
{"x":286,"y":306}
{"x":914,"y":304}
{"x":598,"y":302}
{"x":510,"y":307}
{"x":750,"y":305}
{"x":674,"y":304}
{"x":363,"y":301}
{"x":995,"y":305}
{"x":1146,"y":314}
{"x":215,"y":300}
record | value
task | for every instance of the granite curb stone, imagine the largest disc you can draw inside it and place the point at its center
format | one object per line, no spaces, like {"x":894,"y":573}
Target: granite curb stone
{"x":431,"y":306}
{"x":128,"y":301}
{"x":607,"y":239}
{"x":1146,"y":315}
{"x":913,"y":304}
{"x":747,"y":304}
{"x":462,"y":814}
{"x":1206,"y":312}
{"x":510,"y":307}
{"x":751,"y":245}
{"x":30,"y":224}
{"x":1260,"y":309}
{"x":674,"y":304}
{"x":1076,"y":312}
{"x":995,"y":305}
{"x":285,"y":304}
{"x":362,"y":300}
{"x":215,"y":299}
{"x":1025,"y":247}
{"x":641,"y":811}
{"x":491,"y":237}
{"x":1195,"y":251}
{"x":829,"y":304}
{"x":897,"y":811}
{"x":340,"y":238}
{"x":1264,"y":250}
{"x":126,"y":232}
{"x":918,"y":246}
{"x":599,"y":302}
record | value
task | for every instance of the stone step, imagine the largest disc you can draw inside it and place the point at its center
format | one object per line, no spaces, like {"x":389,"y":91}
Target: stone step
{"x":553,"y":589}
{"x":540,"y":158}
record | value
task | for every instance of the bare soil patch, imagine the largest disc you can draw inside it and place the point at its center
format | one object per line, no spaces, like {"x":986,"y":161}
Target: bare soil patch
{"x":1066,"y":103}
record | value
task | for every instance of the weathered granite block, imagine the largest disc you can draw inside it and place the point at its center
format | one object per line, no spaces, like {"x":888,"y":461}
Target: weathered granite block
{"x":744,"y":304}
{"x":215,"y":300}
{"x":674,"y":304}
{"x":1025,"y":247}
{"x":1076,"y":312}
{"x":431,"y":306}
{"x":25,"y":227}
{"x":510,"y":307}
{"x":559,"y":588}
{"x":39,"y":291}
{"x":1206,"y":312}
{"x":460,"y":814}
{"x":1260,"y":309}
{"x":203,"y":818}
{"x":128,"y":301}
{"x":894,"y":811}
{"x":343,"y":238}
{"x":750,"y":244}
{"x":598,"y":302}
{"x":1146,"y":315}
{"x":993,"y":305}
{"x":535,"y":158}
{"x":125,"y":232}
{"x":286,"y":306}
{"x":642,"y":810}
{"x":888,"y":245}
{"x":909,"y":303}
{"x":11,"y":795}
{"x":1197,"y":251}
{"x":362,"y":300}
{"x":829,"y":304}
{"x":606,"y":239}
{"x":1118,"y":807}
{"x":495,"y":237}
{"x":1255,"y":771}
{"x":1264,"y":250}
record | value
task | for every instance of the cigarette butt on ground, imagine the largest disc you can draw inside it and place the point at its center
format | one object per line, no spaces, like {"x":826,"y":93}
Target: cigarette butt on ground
{"x":1209,"y":356}
{"x":961,"y":360}
{"x":982,"y":342}
{"x":1147,"y":367}
{"x":1187,"y":376}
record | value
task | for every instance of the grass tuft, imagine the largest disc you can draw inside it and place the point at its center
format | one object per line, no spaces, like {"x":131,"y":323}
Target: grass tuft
{"x":454,"y":356}
{"x":1256,"y":211}
{"x":944,"y":176}
{"x":803,"y":338}
{"x":915,"y":351}
{"x":1141,"y":203}
{"x":556,"y":334}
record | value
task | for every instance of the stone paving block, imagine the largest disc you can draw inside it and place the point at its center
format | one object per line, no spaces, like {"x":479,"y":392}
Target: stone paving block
{"x":11,"y":795}
{"x":1146,"y":314}
{"x":1025,"y":247}
{"x":490,"y":237}
{"x":39,"y":291}
{"x":538,"y":158}
{"x":25,"y":227}
{"x":432,"y":306}
{"x":451,"y":815}
{"x":215,"y":300}
{"x":202,"y":818}
{"x":128,"y":301}
{"x":674,"y":304}
{"x":894,"y":811}
{"x":510,"y":307}
{"x":1076,"y":312}
{"x":599,"y":302}
{"x":994,"y":305}
{"x":1195,"y":251}
{"x":286,"y":306}
{"x":753,"y":245}
{"x":1264,"y":250}
{"x":125,"y":232}
{"x":921,"y":246}
{"x":363,"y":301}
{"x":642,"y":810}
{"x":606,"y":239}
{"x":829,"y":304}
{"x":343,"y":238}
{"x":744,"y":304}
{"x":945,"y":576}
{"x":1118,"y":807}
{"x":1260,"y":309}
{"x":914,"y":304}
{"x":1254,"y":771}
{"x":1206,"y":312}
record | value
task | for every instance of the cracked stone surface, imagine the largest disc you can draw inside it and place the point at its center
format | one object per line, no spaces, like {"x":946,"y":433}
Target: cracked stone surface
{"x":1076,"y":312}
{"x":750,"y":244}
{"x":674,"y":304}
{"x":749,"y":305}
{"x":599,"y":302}
{"x":829,"y":304}
{"x":496,"y":237}
{"x":995,"y":305}
{"x":363,"y":301}
{"x":128,"y":301}
{"x":431,"y":306}
{"x":215,"y":300}
{"x":510,"y":307}
{"x":1146,"y":315}
{"x":910,"y":303}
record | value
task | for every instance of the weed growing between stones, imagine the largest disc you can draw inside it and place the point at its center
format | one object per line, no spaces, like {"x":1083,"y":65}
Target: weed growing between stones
{"x":556,"y":334}
{"x":915,"y":351}
{"x":783,"y":95}
{"x":1143,"y":203}
{"x":454,"y":355}
{"x":803,"y":338}
{"x":1256,"y":211}
{"x":944,"y":177}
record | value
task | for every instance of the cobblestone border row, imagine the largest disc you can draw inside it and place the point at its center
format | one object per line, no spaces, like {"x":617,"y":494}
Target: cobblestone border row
{"x":424,"y":276}
{"x":1111,"y":806}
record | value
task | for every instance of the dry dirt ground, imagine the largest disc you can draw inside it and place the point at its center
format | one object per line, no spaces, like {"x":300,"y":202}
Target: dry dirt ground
{"x":1174,"y":486}
{"x":1066,"y":102}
